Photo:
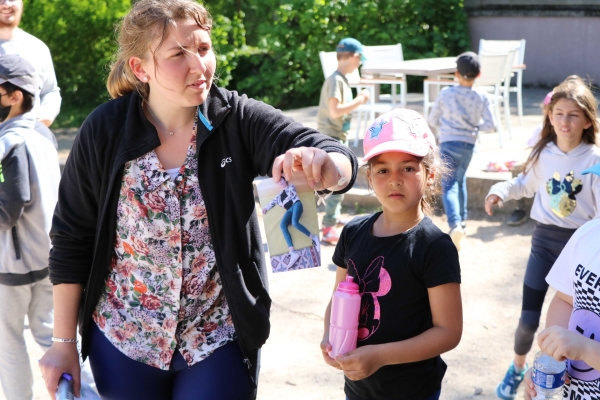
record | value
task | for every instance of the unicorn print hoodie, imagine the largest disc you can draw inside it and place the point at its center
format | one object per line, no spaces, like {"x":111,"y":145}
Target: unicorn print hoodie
{"x":564,"y":197}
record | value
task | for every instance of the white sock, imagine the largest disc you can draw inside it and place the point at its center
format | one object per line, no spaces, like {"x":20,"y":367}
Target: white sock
{"x":518,"y":369}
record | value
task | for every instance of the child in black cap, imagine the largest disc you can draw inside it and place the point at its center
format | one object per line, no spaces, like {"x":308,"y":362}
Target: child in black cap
{"x":460,"y":112}
{"x":29,"y":176}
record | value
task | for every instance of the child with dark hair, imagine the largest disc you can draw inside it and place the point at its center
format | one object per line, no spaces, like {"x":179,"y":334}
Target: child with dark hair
{"x":461,"y":112}
{"x":407,"y":270}
{"x":29,"y":177}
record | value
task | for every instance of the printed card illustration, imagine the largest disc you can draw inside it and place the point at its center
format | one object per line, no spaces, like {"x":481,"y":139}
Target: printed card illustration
{"x":290,"y":218}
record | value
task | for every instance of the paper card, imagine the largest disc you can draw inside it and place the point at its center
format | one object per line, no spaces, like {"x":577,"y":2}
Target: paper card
{"x":291,"y":225}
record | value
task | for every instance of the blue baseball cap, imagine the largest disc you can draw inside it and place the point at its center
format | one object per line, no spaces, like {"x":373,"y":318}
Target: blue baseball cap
{"x":592,"y":170}
{"x":351,"y":45}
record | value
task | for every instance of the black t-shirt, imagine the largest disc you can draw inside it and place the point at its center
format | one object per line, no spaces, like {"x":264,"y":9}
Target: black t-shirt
{"x":393,"y":274}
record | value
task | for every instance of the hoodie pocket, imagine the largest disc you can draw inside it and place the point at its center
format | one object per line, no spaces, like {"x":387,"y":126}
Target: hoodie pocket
{"x":15,"y":237}
{"x":251,"y":304}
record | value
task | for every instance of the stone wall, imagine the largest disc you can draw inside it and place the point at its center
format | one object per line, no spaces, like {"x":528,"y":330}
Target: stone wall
{"x":562,"y":35}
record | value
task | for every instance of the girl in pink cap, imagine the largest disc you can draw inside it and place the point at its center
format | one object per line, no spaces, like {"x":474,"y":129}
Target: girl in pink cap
{"x":407,"y":270}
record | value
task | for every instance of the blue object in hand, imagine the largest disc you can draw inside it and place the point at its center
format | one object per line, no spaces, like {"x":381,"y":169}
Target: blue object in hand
{"x":64,"y":391}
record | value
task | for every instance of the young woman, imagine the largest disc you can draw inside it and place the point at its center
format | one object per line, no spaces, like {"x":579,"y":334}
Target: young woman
{"x":407,"y":270}
{"x":156,"y":246}
{"x":564,"y":200}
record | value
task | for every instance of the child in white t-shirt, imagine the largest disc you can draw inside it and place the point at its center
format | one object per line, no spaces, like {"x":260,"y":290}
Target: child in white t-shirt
{"x":573,"y":321}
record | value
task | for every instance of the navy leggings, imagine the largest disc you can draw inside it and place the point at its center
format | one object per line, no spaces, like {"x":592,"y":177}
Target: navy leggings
{"x":547,"y":242}
{"x":221,"y":376}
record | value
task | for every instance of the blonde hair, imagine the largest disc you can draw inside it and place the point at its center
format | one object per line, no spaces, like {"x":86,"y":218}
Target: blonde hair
{"x":146,"y":21}
{"x":432,"y":162}
{"x":573,"y":88}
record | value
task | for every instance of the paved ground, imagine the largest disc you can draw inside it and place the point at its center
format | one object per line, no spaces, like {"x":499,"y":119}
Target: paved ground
{"x":492,"y":260}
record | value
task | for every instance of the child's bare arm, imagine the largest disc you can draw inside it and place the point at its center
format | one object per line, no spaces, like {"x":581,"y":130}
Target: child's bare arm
{"x":446,"y":308}
{"x":337,"y":109}
{"x":561,"y":343}
{"x":560,"y":309}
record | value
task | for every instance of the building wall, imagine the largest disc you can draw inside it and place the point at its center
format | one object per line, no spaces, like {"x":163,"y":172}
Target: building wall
{"x":563,"y":36}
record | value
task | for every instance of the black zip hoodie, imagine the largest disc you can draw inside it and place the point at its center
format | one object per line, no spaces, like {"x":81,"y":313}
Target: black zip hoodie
{"x":238,"y":139}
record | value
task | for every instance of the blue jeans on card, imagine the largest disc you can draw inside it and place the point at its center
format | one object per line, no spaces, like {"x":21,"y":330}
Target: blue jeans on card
{"x":292,"y":217}
{"x":456,"y":156}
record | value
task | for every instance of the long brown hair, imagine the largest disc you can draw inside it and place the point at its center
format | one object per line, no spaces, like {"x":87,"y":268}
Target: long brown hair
{"x":573,"y":88}
{"x":146,"y":21}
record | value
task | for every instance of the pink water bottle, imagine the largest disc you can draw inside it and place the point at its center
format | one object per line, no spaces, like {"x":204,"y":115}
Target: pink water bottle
{"x":345,"y":308}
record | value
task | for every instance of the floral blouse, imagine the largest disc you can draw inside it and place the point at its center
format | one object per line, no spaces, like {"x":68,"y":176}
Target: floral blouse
{"x":163,"y":288}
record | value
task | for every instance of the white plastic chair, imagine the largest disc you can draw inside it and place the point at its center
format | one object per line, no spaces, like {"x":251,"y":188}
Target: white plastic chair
{"x":503,"y":46}
{"x":365,"y":112}
{"x":495,"y":78}
{"x":387,"y":53}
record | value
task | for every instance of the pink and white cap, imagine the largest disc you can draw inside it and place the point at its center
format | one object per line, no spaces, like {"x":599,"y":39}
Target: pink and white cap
{"x":400,"y":130}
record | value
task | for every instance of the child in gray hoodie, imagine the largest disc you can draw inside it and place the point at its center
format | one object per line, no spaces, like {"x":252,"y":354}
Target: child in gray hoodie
{"x":29,"y":177}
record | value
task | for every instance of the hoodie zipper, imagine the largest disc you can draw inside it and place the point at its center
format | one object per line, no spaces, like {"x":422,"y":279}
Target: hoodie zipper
{"x":211,"y":228}
{"x":15,"y":238}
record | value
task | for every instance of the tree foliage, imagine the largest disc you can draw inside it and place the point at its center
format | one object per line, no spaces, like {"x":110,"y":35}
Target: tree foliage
{"x":80,"y":35}
{"x":265,"y":48}
{"x":301,"y":28}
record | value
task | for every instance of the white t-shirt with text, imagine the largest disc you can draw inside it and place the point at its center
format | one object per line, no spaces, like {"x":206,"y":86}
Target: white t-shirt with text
{"x":576,"y":273}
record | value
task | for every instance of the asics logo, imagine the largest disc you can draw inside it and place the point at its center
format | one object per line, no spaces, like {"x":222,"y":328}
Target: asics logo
{"x":225,"y":161}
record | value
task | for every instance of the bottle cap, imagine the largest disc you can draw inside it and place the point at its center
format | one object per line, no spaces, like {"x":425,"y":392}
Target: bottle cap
{"x":67,"y":376}
{"x":348,"y":286}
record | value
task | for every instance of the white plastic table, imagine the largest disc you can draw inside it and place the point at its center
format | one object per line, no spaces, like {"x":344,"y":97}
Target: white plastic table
{"x":422,"y":67}
{"x":429,"y":67}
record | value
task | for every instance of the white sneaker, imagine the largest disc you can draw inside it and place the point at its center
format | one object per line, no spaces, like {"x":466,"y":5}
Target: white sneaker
{"x":457,"y":234}
{"x":294,"y":256}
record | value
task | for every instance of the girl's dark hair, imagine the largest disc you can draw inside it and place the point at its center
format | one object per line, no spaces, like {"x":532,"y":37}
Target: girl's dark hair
{"x":573,"y":88}
{"x":432,"y":162}
{"x":28,"y":98}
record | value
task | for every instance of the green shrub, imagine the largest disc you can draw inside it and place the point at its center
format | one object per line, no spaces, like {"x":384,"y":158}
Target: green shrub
{"x":81,"y":38}
{"x":80,"y":35}
{"x":265,"y":49}
{"x":287,"y":73}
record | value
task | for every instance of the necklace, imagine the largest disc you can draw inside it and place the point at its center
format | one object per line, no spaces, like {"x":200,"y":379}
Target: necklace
{"x":171,"y":132}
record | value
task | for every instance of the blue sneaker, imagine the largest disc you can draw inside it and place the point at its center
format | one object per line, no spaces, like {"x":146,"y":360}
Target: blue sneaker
{"x":507,"y":389}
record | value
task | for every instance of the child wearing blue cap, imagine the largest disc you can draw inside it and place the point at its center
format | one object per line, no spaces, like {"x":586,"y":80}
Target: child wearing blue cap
{"x":573,"y":322}
{"x":335,"y":110}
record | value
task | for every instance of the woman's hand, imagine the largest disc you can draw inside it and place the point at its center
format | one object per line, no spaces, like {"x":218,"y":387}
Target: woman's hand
{"x":325,"y":349}
{"x":61,"y":358}
{"x":360,"y":363}
{"x":490,"y":201}
{"x":318,"y":166}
